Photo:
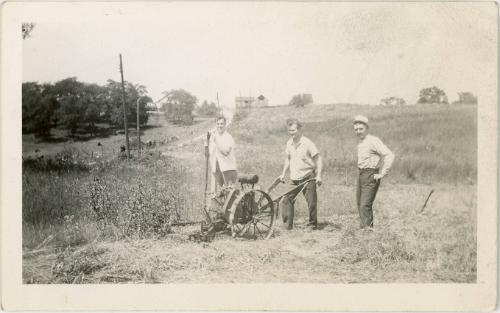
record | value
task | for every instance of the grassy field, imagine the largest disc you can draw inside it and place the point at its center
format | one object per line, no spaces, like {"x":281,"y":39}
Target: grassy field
{"x":67,"y":240}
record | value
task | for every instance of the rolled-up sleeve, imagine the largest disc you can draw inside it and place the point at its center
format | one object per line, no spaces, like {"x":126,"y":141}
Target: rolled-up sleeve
{"x":313,"y":150}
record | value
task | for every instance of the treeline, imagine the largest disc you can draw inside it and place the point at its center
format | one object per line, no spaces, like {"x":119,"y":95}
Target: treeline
{"x":180,"y":106}
{"x":433,"y":95}
{"x":77,"y":106}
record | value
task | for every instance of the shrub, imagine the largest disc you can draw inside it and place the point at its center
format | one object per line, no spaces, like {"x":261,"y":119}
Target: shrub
{"x":301,"y":99}
{"x":432,"y":95}
{"x":115,"y":196}
{"x":466,"y":98}
{"x":392,"y":101}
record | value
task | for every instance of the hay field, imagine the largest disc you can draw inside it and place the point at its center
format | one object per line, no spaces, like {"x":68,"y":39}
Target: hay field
{"x":435,"y":148}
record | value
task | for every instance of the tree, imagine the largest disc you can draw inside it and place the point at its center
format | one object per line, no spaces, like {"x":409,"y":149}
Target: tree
{"x":94,"y":101}
{"x":179,"y":105}
{"x":70,"y":104}
{"x":26,"y":29}
{"x":207,"y":109}
{"x":78,"y":103}
{"x":300,"y":100}
{"x":432,"y":95}
{"x":70,"y":112}
{"x":114,"y":107}
{"x":38,"y":107}
{"x":392,"y":101}
{"x":466,"y":98}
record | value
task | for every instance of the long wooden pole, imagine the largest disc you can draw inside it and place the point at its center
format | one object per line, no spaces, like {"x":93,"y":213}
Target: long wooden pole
{"x":138,"y":129}
{"x":221,"y":111}
{"x":124,"y":110}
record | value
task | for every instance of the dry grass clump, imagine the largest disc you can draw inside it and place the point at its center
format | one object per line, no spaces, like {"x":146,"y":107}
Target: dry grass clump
{"x":432,"y":246}
{"x":438,"y":244}
{"x":381,"y":248}
{"x":73,"y":265}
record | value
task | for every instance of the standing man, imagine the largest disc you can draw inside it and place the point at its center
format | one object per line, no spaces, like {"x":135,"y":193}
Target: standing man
{"x":222,"y":157}
{"x":374,"y":162}
{"x":304,"y":162}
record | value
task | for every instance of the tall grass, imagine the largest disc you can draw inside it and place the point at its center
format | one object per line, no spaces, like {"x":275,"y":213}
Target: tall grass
{"x":433,"y":144}
{"x":80,"y":203}
{"x":119,"y":198}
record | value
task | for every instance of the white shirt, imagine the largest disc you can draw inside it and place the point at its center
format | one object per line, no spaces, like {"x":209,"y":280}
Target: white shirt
{"x":218,"y":145}
{"x":301,"y":157}
{"x":370,"y":150}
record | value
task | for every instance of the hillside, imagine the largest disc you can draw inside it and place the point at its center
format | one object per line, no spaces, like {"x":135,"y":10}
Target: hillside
{"x":435,"y":149}
{"x":433,"y":144}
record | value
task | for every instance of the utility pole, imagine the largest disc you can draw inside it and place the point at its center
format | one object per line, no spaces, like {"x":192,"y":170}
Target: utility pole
{"x":138,"y":129}
{"x":124,"y":110}
{"x":250,"y":100}
{"x":221,"y":111}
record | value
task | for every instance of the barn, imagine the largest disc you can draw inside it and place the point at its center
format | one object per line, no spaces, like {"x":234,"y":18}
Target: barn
{"x":251,"y":102}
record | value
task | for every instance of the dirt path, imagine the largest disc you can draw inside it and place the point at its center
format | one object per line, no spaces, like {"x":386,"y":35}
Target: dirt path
{"x":166,"y":136}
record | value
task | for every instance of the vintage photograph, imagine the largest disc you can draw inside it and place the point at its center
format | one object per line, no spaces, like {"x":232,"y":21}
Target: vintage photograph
{"x":255,"y":142}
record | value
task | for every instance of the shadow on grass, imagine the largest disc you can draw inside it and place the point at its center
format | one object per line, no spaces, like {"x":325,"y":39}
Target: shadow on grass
{"x":52,"y":139}
{"x":329,"y":226}
{"x":146,"y":127}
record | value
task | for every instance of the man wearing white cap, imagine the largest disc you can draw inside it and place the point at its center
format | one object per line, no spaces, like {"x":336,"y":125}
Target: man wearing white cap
{"x":374,"y":162}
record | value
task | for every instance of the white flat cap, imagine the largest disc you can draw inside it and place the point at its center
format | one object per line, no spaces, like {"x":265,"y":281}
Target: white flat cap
{"x":360,"y":119}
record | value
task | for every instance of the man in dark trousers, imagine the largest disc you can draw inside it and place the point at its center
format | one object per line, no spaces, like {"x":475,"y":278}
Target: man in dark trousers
{"x":374,"y":162}
{"x":304,"y":162}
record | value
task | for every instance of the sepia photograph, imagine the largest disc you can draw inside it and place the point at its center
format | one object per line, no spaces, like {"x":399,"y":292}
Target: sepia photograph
{"x":255,"y":143}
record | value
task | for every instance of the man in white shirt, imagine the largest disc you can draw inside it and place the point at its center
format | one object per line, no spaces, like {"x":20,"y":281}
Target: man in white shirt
{"x":374,"y":162}
{"x":222,"y":157}
{"x":304,"y":162}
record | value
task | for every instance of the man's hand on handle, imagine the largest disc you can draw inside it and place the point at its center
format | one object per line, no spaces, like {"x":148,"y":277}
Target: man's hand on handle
{"x":378,"y":177}
{"x":318,"y":180}
{"x":282,"y":178}
{"x":207,"y":144}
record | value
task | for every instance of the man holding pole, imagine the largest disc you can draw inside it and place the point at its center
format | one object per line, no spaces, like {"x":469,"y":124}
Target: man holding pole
{"x":304,"y":162}
{"x":220,"y":150}
{"x":374,"y":162}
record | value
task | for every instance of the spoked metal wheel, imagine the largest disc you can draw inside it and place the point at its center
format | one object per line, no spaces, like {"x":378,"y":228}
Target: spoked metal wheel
{"x":254,"y":215}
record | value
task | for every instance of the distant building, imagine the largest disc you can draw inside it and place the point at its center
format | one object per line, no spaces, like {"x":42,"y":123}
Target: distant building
{"x":244,"y":102}
{"x":248,"y":102}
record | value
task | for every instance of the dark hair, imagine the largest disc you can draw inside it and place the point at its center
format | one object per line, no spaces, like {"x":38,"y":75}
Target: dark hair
{"x":293,"y":121}
{"x":218,"y":118}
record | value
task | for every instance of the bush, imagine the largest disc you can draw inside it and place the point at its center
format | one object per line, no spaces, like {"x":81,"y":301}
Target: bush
{"x":142,"y":209}
{"x":207,"y":109}
{"x":301,"y":99}
{"x":67,"y":160}
{"x":432,"y":95}
{"x":141,"y":199}
{"x":466,"y":98}
{"x":179,"y":105}
{"x":392,"y":101}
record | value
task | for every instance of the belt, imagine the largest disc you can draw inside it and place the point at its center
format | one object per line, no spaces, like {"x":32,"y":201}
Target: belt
{"x":308,"y":176}
{"x":367,"y":169}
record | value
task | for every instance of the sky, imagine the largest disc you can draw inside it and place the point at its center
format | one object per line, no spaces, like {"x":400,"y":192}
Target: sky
{"x":339,"y":52}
